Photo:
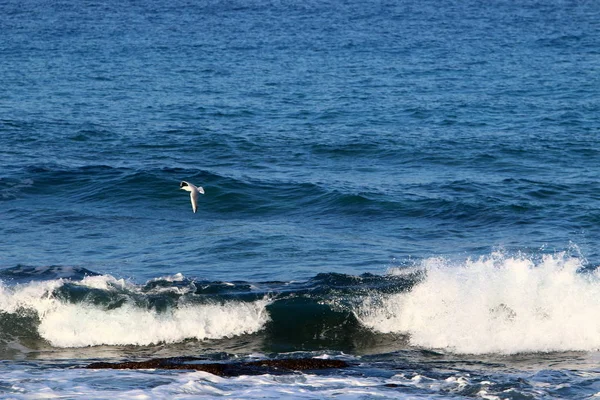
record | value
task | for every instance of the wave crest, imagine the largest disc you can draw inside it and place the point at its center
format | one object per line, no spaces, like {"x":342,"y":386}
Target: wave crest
{"x":102,"y":310}
{"x":80,"y":325}
{"x":495,"y":304}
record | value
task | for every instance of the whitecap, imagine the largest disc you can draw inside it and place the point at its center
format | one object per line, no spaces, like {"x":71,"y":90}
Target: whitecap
{"x":496,"y":304}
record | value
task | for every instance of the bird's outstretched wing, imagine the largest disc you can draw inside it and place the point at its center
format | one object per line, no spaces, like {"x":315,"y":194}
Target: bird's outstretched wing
{"x":194,"y":198}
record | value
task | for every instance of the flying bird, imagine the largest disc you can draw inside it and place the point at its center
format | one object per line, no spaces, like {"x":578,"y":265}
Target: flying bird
{"x":194,"y":190}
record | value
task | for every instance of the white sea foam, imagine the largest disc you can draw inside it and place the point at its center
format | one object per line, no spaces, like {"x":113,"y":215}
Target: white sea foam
{"x":82,"y":324}
{"x":496,"y":304}
{"x":178,"y":277}
{"x":106,"y":282}
{"x":124,"y":384}
{"x":76,"y":325}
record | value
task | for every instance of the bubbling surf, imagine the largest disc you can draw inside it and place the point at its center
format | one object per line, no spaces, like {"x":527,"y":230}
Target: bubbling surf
{"x":89,"y":322}
{"x":495,"y":304}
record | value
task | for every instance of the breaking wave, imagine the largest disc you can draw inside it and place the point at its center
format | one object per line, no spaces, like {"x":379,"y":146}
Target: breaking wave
{"x":500,"y":303}
{"x":103,"y":310}
{"x":496,"y":304}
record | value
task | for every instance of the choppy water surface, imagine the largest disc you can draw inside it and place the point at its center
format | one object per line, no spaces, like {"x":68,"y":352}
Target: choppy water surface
{"x":408,"y":186}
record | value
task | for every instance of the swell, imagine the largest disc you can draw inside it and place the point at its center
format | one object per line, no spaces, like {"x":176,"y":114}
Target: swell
{"x":500,"y":202}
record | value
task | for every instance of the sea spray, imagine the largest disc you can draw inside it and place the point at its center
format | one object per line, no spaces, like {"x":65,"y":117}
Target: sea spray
{"x":495,"y":304}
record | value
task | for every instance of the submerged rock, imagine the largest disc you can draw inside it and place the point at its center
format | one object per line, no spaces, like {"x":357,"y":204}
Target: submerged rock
{"x":276,"y":367}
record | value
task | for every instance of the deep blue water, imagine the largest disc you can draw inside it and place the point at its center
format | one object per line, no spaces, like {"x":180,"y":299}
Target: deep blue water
{"x":364,"y":164}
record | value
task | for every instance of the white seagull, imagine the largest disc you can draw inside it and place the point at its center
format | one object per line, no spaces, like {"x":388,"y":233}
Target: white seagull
{"x":193,"y":192}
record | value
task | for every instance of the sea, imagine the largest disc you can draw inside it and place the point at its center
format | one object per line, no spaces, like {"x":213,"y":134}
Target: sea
{"x":409,"y":186}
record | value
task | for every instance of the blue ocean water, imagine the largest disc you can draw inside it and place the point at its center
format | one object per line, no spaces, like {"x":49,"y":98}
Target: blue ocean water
{"x":408,"y":185}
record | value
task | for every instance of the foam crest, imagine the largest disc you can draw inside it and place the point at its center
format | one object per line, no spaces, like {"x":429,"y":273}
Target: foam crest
{"x":35,"y":295}
{"x":81,"y":324}
{"x":178,"y":277}
{"x":496,"y":304}
{"x":105,"y":282}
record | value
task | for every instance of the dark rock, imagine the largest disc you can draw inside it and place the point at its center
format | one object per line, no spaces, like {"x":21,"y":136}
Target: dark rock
{"x":276,"y":367}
